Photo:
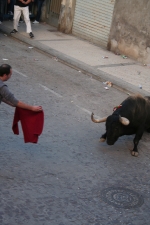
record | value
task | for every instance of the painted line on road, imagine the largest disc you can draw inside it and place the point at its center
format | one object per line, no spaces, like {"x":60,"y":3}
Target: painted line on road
{"x":53,"y":92}
{"x":84,"y":110}
{"x":20,"y":73}
{"x":87,"y":111}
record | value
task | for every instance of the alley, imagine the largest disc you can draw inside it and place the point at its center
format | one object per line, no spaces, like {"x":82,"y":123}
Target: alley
{"x":60,"y":180}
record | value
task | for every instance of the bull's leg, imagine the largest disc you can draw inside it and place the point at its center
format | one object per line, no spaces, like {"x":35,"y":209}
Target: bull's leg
{"x":136,"y":140}
{"x":103,"y":138}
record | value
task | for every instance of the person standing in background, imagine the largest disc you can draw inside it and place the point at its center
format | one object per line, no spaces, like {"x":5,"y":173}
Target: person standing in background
{"x":30,"y":7}
{"x":2,"y":9}
{"x":10,"y":7}
{"x":39,"y":10}
{"x":22,"y":6}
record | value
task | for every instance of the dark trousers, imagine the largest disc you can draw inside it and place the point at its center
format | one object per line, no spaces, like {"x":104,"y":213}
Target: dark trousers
{"x":30,"y":7}
{"x":10,"y":7}
{"x":39,"y":8}
{"x":2,"y":9}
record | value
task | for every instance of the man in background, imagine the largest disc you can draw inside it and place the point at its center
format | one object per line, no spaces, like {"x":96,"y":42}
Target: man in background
{"x":39,"y":9}
{"x":22,"y":6}
{"x":3,"y":4}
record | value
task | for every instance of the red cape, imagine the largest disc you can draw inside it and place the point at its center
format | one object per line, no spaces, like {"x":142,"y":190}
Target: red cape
{"x":31,"y":122}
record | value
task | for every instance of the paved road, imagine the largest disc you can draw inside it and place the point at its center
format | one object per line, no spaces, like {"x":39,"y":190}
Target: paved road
{"x":68,"y":177}
{"x":127,"y":74}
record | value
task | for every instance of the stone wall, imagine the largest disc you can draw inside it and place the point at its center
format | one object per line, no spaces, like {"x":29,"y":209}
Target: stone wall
{"x":130,"y":29}
{"x":66,"y":16}
{"x":43,"y":12}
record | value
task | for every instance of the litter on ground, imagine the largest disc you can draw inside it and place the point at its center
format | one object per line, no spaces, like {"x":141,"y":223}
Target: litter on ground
{"x":108,"y":83}
{"x":124,"y":57}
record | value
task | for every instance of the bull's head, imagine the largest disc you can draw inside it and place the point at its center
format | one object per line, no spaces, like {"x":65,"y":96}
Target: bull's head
{"x":114,"y":126}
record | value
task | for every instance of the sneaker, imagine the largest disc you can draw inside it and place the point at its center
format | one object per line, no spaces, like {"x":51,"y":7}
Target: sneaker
{"x":13,"y":31}
{"x":31,"y":35}
{"x":35,"y":22}
{"x":10,"y":13}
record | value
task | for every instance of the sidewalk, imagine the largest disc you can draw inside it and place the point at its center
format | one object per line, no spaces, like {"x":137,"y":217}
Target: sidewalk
{"x":124,"y":73}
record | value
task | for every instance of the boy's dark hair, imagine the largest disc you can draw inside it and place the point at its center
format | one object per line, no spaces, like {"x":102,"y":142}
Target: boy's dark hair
{"x":4,"y":69}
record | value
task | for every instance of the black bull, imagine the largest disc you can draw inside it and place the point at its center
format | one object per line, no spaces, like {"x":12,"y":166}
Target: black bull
{"x":132,"y":116}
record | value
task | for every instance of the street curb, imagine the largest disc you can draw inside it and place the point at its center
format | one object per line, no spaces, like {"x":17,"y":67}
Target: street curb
{"x":89,"y":70}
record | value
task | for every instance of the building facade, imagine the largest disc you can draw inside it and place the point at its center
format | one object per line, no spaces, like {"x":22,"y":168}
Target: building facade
{"x":121,"y":26}
{"x":130,"y":29}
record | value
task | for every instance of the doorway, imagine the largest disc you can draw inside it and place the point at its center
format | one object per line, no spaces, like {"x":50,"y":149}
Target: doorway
{"x":53,"y":11}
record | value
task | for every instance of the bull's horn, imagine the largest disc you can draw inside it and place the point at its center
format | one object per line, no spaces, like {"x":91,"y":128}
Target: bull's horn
{"x":98,"y":121}
{"x":124,"y":120}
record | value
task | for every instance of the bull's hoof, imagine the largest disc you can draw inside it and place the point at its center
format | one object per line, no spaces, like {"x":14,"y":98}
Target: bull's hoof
{"x":102,"y":140}
{"x":133,"y":153}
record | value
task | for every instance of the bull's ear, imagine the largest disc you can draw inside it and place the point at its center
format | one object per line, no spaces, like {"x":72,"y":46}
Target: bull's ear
{"x":124,"y":120}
